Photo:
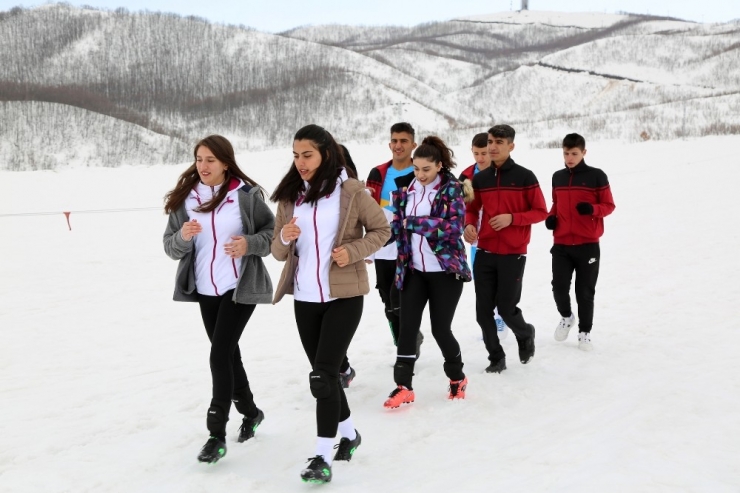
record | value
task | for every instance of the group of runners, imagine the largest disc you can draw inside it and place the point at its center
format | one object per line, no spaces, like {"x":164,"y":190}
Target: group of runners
{"x":410,"y":219}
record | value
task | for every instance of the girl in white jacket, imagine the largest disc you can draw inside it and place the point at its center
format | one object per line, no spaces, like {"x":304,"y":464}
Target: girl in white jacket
{"x":219,"y":228}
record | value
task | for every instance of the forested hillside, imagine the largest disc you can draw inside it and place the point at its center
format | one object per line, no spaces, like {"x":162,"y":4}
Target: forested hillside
{"x":85,"y":86}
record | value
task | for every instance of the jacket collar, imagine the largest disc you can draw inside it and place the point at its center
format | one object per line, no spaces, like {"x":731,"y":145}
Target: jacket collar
{"x":416,"y":187}
{"x":203,"y":189}
{"x":508,"y":164}
{"x":579,"y":168}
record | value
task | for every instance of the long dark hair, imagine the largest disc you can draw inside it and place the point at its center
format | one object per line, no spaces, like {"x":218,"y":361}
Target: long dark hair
{"x":324,"y":180}
{"x":434,"y":149}
{"x":224,"y":152}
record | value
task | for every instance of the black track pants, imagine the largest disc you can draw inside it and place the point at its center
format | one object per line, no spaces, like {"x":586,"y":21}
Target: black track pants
{"x":498,"y":281}
{"x":224,"y":321}
{"x":584,"y":260}
{"x":385,"y":273}
{"x":326,"y":330}
{"x":442,"y":291}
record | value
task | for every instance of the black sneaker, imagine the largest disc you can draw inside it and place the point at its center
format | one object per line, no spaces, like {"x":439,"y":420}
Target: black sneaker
{"x":345,"y":379}
{"x":317,"y":471}
{"x":497,"y":367}
{"x":346,"y":447}
{"x":526,"y":347}
{"x":419,"y":340}
{"x":249,"y":426}
{"x":213,"y":450}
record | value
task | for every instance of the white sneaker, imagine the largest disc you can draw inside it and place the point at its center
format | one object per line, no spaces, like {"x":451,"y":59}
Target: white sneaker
{"x":501,"y":328}
{"x":584,"y":341}
{"x":561,"y":332}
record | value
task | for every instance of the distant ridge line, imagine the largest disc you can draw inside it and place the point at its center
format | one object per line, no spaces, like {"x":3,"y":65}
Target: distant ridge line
{"x":590,"y":72}
{"x":519,"y":23}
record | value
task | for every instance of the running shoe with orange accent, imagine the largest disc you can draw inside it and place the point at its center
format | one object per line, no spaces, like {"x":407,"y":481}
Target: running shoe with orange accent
{"x":400,"y":395}
{"x":457,"y":389}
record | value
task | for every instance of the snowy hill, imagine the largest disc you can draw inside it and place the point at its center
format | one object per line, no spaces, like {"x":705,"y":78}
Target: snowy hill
{"x":105,"y":380}
{"x":621,"y":77}
{"x":37,"y":136}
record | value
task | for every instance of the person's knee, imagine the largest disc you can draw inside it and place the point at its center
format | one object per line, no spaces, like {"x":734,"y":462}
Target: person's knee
{"x":219,"y":358}
{"x":441,"y":331}
{"x":560,"y":285}
{"x":320,"y":383}
{"x":585,"y":295}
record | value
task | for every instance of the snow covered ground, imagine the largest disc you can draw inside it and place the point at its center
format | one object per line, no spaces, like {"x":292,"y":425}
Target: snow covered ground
{"x":104,"y":381}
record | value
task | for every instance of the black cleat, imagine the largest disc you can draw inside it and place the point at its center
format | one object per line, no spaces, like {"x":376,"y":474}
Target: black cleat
{"x":213,"y":450}
{"x":249,"y":426}
{"x":318,"y":471}
{"x":497,"y":367}
{"x":345,"y":380}
{"x":346,"y":447}
{"x":526,"y":347}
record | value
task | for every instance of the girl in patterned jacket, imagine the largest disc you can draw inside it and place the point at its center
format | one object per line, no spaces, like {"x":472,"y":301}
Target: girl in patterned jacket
{"x":431,"y":266}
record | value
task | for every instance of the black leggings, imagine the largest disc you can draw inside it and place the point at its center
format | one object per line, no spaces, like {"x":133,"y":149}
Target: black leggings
{"x":326,"y":330}
{"x":443,"y":292}
{"x":385,"y":275}
{"x":225,"y":321}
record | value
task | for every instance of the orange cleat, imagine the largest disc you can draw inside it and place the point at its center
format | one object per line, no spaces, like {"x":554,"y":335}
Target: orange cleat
{"x":400,"y":395}
{"x":457,"y":389}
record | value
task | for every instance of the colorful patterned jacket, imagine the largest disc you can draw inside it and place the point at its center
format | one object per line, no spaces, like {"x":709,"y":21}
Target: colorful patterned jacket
{"x":443,"y":229}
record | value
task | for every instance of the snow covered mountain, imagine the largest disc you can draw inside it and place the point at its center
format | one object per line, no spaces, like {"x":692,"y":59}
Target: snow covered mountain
{"x":156,"y":82}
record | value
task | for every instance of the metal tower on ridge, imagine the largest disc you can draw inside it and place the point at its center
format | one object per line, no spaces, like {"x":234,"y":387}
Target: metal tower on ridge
{"x":525,"y":4}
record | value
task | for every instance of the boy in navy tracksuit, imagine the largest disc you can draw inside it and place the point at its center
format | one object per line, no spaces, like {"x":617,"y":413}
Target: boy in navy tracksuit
{"x":510,"y":199}
{"x":581,"y":198}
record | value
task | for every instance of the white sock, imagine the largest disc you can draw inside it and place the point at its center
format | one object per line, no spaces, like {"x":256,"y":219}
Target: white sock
{"x":349,"y":369}
{"x":324,"y":448}
{"x":347,"y":429}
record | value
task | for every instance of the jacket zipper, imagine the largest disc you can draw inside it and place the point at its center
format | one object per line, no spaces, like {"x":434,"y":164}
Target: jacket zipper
{"x":421,"y":241}
{"x":570,"y":196}
{"x":318,"y":257}
{"x":213,"y":255}
{"x":498,"y":203}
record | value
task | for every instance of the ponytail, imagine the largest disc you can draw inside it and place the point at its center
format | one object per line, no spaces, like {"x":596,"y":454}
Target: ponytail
{"x":434,"y":149}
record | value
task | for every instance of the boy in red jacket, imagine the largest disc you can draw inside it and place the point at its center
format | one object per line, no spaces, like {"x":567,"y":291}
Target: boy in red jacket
{"x":482,"y":161}
{"x":511,"y":200}
{"x":581,"y":198}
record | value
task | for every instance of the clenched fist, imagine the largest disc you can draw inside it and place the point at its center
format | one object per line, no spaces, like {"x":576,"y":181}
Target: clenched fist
{"x":190,"y":229}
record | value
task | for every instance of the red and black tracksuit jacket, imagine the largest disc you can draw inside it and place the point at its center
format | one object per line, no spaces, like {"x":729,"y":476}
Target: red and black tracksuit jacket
{"x":571,"y":186}
{"x":468,"y":173}
{"x":510,"y":189}
{"x":376,"y":178}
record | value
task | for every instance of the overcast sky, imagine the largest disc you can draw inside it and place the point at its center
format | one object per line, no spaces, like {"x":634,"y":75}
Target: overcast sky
{"x":280,"y":15}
